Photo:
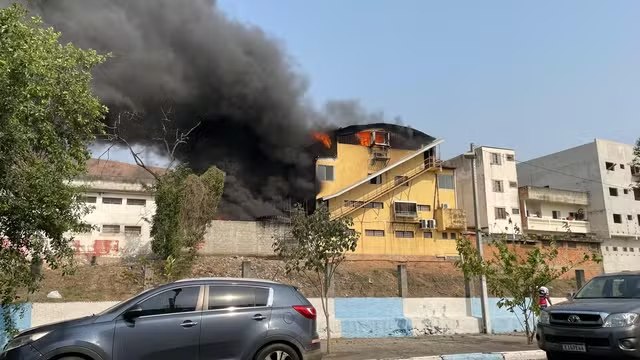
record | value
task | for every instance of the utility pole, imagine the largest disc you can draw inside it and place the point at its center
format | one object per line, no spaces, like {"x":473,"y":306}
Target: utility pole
{"x":484,"y":298}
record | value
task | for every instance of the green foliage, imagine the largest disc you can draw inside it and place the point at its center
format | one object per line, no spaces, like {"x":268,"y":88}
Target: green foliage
{"x":515,"y":277}
{"x":315,"y":246}
{"x":48,"y":117}
{"x":185,"y":204}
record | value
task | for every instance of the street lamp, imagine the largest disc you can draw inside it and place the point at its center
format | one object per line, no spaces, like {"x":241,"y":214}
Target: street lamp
{"x":484,"y":300}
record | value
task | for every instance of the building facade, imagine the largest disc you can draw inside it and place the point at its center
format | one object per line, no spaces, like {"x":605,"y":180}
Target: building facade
{"x":497,"y":178}
{"x":389,"y":179}
{"x":604,"y":170}
{"x":121,"y":210}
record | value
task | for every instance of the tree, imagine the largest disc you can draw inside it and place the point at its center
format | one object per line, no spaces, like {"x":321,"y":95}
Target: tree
{"x":314,"y":247}
{"x":515,"y":277}
{"x":48,"y":118}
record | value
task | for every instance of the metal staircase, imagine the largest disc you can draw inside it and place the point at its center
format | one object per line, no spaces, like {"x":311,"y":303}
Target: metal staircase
{"x":356,"y":204}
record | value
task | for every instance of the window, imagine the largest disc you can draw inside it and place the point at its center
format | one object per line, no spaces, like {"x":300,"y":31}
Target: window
{"x":636,"y":194}
{"x":89,"y":199}
{"x":610,"y":166}
{"x":555,"y":214}
{"x":138,"y":202}
{"x":428,"y":235}
{"x":622,"y":166}
{"x":613,"y":191}
{"x":112,"y":200}
{"x":325,"y":173}
{"x":632,"y":249}
{"x":227,"y":297}
{"x":625,"y":191}
{"x":639,"y":220}
{"x":374,"y":205}
{"x":402,"y":179}
{"x":615,"y":248}
{"x":635,"y":170}
{"x":445,"y":235}
{"x":617,"y":218}
{"x":133,"y":230}
{"x":424,"y":207}
{"x":446,"y":182}
{"x":629,"y":217}
{"x":625,"y":249}
{"x":377,"y":233}
{"x":404,"y":234}
{"x":511,"y":157}
{"x":376,"y":180}
{"x":496,"y":159}
{"x":370,"y":205}
{"x":501,"y":213}
{"x":405,"y":209}
{"x":110,"y":229}
{"x":571,"y":244}
{"x":497,"y":186}
{"x":515,"y":211}
{"x":171,"y":301}
{"x":513,"y":184}
{"x":453,"y":236}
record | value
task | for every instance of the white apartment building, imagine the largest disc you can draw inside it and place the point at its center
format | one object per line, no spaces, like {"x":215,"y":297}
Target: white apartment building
{"x":121,"y":207}
{"x":498,"y":202}
{"x":604,"y":170}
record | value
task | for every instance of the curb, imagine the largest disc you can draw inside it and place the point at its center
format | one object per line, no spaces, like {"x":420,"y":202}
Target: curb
{"x":511,"y":355}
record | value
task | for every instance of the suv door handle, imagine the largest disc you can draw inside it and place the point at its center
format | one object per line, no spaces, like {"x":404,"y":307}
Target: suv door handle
{"x":188,"y":324}
{"x":258,"y":317}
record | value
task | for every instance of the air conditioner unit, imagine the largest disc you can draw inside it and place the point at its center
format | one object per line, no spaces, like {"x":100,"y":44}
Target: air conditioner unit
{"x":427,"y":223}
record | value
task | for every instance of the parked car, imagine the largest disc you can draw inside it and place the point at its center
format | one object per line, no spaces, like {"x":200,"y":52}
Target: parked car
{"x":602,"y":320}
{"x":187,"y":319}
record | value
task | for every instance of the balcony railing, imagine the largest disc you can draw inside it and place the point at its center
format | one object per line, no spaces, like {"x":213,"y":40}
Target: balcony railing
{"x":558,"y":225}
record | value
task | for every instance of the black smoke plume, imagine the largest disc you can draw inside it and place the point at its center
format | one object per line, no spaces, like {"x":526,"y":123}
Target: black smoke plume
{"x":187,"y":59}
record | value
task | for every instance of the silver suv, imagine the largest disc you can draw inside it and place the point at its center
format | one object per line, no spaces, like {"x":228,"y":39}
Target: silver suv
{"x":602,"y":320}
{"x":187,"y":319}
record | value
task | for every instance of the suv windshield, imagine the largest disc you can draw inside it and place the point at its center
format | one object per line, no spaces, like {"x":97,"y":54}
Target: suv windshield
{"x":611,"y":287}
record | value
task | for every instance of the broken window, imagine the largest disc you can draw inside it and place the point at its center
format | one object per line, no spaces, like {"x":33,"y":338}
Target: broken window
{"x":496,"y":159}
{"x":501,"y":213}
{"x":497,"y":186}
{"x":325,"y":173}
{"x":617,"y":218}
{"x":613,"y":191}
{"x":610,"y":166}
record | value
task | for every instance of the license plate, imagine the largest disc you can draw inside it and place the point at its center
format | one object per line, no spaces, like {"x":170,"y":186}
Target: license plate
{"x":574,"y":347}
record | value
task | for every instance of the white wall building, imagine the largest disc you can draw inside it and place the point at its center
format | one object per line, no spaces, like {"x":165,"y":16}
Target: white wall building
{"x":498,"y":204}
{"x":121,"y":204}
{"x":603,"y":169}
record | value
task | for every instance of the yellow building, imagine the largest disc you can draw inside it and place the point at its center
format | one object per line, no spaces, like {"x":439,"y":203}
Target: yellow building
{"x":390,"y":180}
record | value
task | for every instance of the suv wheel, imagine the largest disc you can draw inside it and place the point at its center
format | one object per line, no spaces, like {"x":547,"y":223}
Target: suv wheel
{"x":277,"y":352}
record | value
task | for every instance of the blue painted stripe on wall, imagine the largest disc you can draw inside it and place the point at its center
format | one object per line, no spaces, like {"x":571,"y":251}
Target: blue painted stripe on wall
{"x":356,"y":308}
{"x":22,"y":319}
{"x":502,"y":320}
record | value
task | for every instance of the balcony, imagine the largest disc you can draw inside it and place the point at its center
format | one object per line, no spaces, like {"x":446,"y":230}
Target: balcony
{"x":450,"y":219}
{"x":557,"y":225}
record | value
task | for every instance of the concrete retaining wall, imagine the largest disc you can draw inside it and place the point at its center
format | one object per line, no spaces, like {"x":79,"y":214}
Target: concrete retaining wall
{"x":349,"y":317}
{"x":242,"y":238}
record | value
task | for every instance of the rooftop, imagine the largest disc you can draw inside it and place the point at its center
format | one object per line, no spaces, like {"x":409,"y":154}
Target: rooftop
{"x":100,"y":169}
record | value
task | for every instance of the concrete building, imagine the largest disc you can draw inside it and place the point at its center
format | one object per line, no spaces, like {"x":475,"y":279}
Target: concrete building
{"x":120,"y":206}
{"x":498,"y":202}
{"x":389,"y":179}
{"x":604,"y":170}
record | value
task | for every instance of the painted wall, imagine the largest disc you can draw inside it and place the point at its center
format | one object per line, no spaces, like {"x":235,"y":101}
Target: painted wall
{"x":349,"y":317}
{"x":421,"y":190}
{"x":122,"y":244}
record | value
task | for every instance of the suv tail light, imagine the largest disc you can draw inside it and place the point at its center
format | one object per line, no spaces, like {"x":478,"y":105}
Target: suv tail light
{"x":307,"y":311}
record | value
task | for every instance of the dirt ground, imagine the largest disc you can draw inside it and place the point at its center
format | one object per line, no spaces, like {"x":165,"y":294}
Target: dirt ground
{"x":400,"y":348}
{"x":117,"y":281}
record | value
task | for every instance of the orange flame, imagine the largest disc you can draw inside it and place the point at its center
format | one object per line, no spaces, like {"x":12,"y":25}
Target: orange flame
{"x":323,"y":138}
{"x":364,"y":137}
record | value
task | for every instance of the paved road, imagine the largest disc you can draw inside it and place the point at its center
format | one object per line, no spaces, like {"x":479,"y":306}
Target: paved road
{"x":398,"y":348}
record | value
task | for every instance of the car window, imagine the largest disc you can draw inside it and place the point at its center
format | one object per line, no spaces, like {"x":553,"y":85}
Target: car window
{"x":225,"y":297}
{"x":171,"y":301}
{"x":611,"y":287}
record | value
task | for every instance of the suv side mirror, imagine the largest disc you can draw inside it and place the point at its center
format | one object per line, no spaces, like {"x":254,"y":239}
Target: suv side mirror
{"x":132,"y":313}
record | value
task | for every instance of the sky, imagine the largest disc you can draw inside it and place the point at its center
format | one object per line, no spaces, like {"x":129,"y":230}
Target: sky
{"x":537,"y":77}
